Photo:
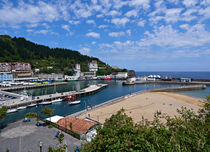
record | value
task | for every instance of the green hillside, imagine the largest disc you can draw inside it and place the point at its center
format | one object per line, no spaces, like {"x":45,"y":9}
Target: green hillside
{"x":40,"y":56}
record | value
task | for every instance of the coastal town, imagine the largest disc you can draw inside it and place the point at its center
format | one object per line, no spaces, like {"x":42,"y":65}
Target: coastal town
{"x":104,"y":76}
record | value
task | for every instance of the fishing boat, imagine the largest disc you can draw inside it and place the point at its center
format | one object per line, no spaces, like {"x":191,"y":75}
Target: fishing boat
{"x":31,"y":105}
{"x":11,"y":110}
{"x":108,"y":79}
{"x":21,"y":108}
{"x":45,"y":103}
{"x":74,"y":102}
{"x":56,"y":100}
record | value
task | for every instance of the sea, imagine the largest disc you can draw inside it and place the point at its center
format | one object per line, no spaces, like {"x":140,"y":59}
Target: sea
{"x":115,"y":89}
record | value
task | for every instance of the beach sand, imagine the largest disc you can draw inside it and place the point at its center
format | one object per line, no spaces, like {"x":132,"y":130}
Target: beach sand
{"x":146,"y":105}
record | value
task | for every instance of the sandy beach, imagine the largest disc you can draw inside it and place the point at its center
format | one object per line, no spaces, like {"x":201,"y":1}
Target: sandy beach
{"x":146,"y":105}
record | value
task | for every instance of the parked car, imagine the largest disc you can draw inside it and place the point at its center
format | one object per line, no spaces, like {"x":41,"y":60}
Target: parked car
{"x":26,"y":119}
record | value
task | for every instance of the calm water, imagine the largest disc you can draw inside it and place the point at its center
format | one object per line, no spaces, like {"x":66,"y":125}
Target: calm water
{"x":114,"y":90}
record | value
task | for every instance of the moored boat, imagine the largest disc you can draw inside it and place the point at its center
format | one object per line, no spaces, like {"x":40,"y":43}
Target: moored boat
{"x":11,"y":110}
{"x":56,"y":100}
{"x":45,"y":103}
{"x":74,"y":102}
{"x":31,"y":105}
{"x":69,"y":98}
{"x":21,"y":108}
{"x":108,"y":78}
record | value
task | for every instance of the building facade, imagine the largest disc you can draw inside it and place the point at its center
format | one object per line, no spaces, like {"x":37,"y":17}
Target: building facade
{"x":6,"y":77}
{"x":93,"y":66}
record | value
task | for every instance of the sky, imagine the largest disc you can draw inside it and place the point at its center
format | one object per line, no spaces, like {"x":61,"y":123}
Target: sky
{"x":143,"y":35}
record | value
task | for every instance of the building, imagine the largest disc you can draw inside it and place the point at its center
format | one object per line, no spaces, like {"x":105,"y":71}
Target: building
{"x":80,"y":126}
{"x":77,"y":68}
{"x":5,"y":67}
{"x":93,"y":66}
{"x":18,"y":69}
{"x":6,"y":77}
{"x":52,"y":76}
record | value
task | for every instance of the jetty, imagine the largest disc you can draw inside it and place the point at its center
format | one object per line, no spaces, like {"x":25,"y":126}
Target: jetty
{"x":173,"y":82}
{"x":31,"y":86}
{"x":38,"y":99}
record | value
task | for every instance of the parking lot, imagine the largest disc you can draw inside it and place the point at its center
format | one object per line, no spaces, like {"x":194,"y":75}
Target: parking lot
{"x":26,"y":136}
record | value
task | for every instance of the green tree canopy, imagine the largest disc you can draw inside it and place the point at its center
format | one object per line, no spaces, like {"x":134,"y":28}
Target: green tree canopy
{"x":47,"y":111}
{"x":3,"y":112}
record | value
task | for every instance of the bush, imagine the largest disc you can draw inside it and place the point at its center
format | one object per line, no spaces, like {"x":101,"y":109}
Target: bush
{"x":31,"y":115}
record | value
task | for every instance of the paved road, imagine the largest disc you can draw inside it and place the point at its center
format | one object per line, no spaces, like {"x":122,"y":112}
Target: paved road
{"x":25,"y":136}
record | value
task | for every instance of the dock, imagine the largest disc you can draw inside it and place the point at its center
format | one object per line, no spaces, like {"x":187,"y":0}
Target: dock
{"x":38,"y":99}
{"x":32,"y":86}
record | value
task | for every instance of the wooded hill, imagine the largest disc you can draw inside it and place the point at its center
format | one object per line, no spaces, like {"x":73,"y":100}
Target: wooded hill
{"x":40,"y":56}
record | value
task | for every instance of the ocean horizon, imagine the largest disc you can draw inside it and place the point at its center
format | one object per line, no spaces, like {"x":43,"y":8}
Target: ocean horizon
{"x":177,"y":74}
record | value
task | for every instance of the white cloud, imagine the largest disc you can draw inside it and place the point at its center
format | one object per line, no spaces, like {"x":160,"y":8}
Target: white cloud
{"x":84,"y":50}
{"x":120,"y":21}
{"x":189,"y":3}
{"x":74,"y":22}
{"x":93,"y":42}
{"x":102,"y":26}
{"x":140,"y":3}
{"x":141,"y":23}
{"x":116,"y":34}
{"x":128,"y":32}
{"x":91,"y":22}
{"x":114,"y":13}
{"x":166,"y":36}
{"x":133,"y":13}
{"x":93,"y":34}
{"x":67,"y":28}
{"x":28,"y":13}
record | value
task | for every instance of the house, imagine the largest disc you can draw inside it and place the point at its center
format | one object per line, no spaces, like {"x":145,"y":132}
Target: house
{"x":93,"y":66}
{"x":83,"y":127}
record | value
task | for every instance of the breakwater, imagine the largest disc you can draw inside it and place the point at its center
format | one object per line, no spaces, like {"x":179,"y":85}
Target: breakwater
{"x":173,"y":82}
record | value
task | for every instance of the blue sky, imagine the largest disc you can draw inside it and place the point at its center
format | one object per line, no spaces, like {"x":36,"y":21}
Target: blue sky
{"x":144,"y":35}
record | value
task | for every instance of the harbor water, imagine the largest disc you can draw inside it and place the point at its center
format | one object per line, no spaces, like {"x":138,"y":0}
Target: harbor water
{"x":115,"y":89}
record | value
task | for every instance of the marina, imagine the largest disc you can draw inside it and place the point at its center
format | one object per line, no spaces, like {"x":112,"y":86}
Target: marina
{"x":51,"y":98}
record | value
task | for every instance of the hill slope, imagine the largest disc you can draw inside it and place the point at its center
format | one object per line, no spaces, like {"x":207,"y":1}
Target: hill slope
{"x":40,"y":56}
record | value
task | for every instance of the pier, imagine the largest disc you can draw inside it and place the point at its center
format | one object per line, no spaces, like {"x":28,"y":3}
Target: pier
{"x":32,"y":86}
{"x":38,"y":99}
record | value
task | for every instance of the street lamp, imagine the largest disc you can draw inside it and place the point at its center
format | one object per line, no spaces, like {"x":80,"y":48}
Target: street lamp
{"x":40,"y":145}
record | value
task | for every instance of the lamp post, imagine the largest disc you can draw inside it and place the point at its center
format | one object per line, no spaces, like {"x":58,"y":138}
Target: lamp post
{"x":40,"y":146}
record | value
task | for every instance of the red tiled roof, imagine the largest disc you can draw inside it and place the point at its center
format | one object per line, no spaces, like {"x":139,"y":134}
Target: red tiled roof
{"x":78,"y":125}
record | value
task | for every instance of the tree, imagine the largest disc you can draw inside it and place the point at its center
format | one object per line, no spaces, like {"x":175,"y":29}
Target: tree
{"x":3,"y":112}
{"x":187,"y":132}
{"x":47,"y":111}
